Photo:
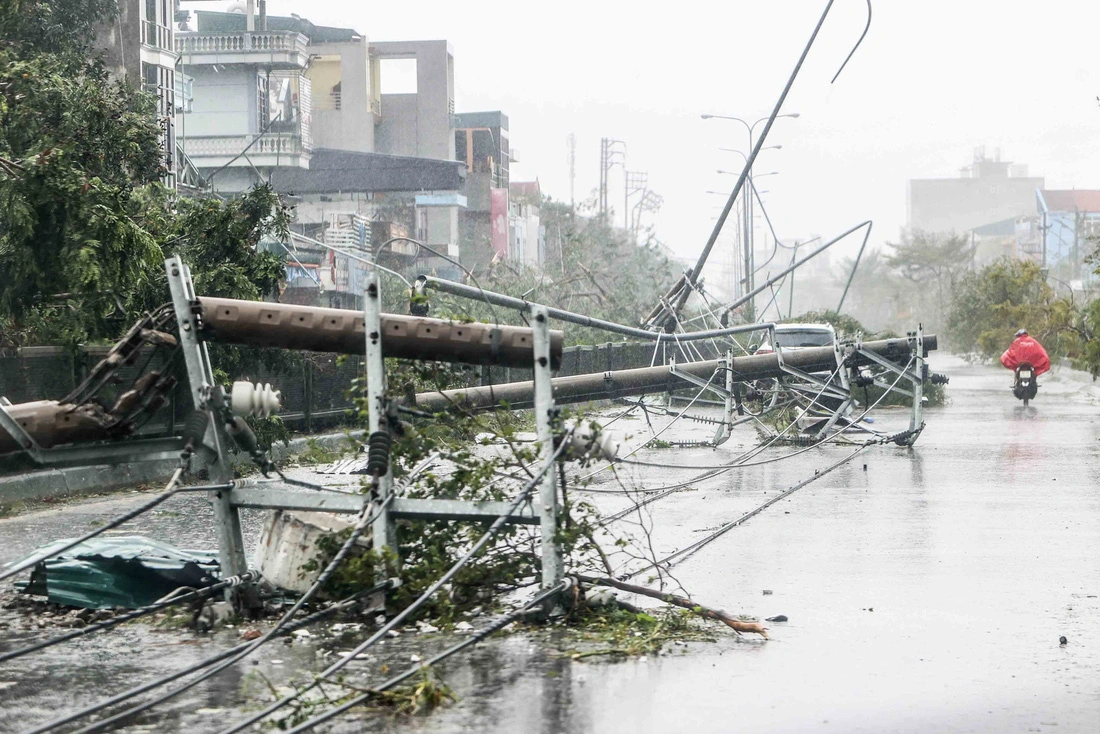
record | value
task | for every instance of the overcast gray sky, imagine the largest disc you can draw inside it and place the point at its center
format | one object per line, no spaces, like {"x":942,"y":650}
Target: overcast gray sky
{"x":932,"y":80}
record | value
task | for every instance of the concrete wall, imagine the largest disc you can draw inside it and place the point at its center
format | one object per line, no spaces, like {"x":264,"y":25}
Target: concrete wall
{"x":232,"y":180}
{"x":431,"y":117}
{"x":121,"y":42}
{"x":225,"y":102}
{"x":399,"y":131}
{"x":310,"y":207}
{"x":442,"y":225}
{"x":352,"y":126}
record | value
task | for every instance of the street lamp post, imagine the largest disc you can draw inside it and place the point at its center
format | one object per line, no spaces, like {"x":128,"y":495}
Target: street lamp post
{"x":747,"y":200}
{"x":748,"y":221}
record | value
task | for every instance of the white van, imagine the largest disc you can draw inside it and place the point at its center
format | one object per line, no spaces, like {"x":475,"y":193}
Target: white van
{"x":800,"y":336}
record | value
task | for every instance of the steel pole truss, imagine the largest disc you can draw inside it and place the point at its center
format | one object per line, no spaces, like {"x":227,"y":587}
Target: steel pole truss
{"x":204,"y":392}
{"x":275,"y":494}
{"x":545,"y":513}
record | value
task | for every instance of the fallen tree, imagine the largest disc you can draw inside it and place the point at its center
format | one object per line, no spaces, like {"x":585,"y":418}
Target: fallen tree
{"x":726,"y":618}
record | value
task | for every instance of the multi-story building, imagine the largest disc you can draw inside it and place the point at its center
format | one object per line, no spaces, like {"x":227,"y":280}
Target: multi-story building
{"x":988,"y":196}
{"x":526,"y":236}
{"x":138,"y":46}
{"x":285,"y":101}
{"x":251,"y":109}
{"x":481,"y":142}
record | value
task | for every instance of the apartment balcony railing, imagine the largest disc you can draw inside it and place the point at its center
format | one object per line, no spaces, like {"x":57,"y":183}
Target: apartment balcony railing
{"x":267,"y":148}
{"x":156,"y":35}
{"x":285,"y":47}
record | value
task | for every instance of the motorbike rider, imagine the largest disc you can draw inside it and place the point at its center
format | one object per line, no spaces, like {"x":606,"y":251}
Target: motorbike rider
{"x":1026,"y":349}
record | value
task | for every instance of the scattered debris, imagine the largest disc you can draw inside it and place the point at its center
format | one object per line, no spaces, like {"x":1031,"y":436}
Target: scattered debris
{"x":777,"y":618}
{"x":214,"y":614}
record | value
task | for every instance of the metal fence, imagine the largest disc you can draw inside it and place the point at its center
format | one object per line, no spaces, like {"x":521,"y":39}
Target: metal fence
{"x":316,"y":390}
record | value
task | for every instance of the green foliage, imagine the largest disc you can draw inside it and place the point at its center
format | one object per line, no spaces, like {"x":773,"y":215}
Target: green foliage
{"x":53,"y":25}
{"x":990,"y":305}
{"x":317,"y":453}
{"x":84,"y":223}
{"x":933,"y":263}
{"x":909,"y":283}
{"x":465,"y":471}
{"x":592,"y":268}
{"x":611,"y":630}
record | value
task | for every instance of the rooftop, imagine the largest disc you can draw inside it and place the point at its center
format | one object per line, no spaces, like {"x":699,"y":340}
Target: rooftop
{"x":213,"y":22}
{"x":332,"y":171}
{"x":1068,"y":200}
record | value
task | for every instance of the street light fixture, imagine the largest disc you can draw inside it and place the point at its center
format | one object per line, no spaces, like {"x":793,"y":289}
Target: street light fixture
{"x":735,"y":150}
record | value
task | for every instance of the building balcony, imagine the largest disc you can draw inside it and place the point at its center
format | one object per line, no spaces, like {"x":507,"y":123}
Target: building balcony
{"x":277,"y":49}
{"x":156,"y":36}
{"x":261,"y":151}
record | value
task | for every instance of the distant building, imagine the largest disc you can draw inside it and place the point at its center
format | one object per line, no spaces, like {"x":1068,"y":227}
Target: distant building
{"x":482,"y":143}
{"x":527,"y":238}
{"x":138,"y":46}
{"x":989,"y":195}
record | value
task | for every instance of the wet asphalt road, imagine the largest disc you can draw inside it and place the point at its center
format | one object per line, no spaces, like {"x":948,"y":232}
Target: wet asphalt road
{"x":926,"y":592}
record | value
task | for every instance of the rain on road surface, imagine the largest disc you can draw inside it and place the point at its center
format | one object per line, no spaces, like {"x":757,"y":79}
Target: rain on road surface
{"x":926,"y":592}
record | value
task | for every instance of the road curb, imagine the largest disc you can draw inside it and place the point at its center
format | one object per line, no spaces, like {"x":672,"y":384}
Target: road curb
{"x":46,"y":484}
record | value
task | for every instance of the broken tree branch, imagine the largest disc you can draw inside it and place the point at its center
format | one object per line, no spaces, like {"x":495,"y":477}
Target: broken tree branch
{"x":680,"y":601}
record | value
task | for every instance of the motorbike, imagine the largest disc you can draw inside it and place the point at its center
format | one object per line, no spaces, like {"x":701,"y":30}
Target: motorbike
{"x":1025,"y":386}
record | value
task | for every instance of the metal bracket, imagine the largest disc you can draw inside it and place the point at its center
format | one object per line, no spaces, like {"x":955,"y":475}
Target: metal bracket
{"x":915,"y":376}
{"x":697,"y":381}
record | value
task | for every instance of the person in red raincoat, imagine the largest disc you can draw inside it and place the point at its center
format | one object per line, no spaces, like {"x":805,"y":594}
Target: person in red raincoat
{"x":1026,"y":349}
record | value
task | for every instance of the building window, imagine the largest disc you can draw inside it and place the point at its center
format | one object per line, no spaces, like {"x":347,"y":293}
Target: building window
{"x":263,"y":104}
{"x":422,"y":225}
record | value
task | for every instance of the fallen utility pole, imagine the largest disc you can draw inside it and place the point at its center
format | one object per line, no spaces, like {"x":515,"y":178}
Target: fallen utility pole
{"x":645,"y":380}
{"x":38,"y":427}
{"x":317,"y":329}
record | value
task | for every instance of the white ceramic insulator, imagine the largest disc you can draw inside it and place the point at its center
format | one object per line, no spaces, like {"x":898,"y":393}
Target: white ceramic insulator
{"x":258,"y":400}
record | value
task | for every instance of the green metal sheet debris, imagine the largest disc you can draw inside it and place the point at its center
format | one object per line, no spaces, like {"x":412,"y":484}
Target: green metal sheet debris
{"x":121,"y":571}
